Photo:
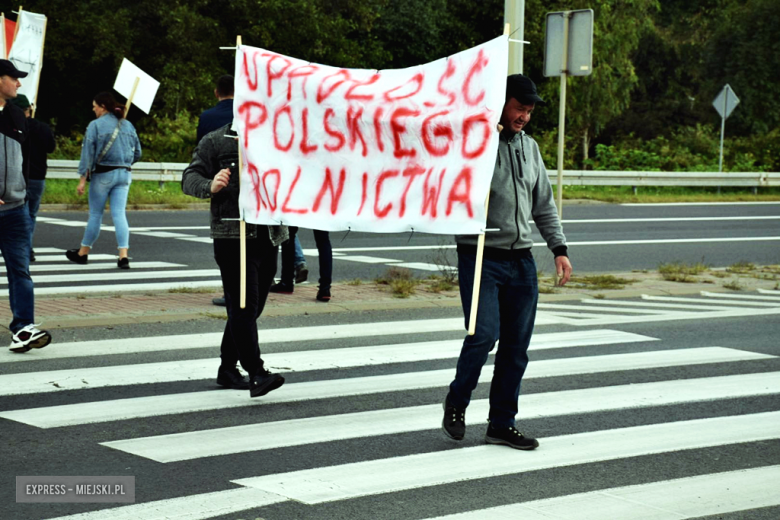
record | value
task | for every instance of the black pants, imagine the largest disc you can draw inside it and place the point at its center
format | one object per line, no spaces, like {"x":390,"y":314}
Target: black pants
{"x":239,"y":342}
{"x":322,"y":238}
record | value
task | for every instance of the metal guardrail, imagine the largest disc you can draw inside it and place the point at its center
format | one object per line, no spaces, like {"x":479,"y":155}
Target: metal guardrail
{"x":171,"y":172}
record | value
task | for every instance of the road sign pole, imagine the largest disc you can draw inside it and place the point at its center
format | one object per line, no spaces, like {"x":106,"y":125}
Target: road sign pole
{"x":562,"y":110}
{"x":723,"y":128}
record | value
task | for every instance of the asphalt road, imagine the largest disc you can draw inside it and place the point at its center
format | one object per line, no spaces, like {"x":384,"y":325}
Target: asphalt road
{"x":602,"y":238}
{"x":419,"y":473}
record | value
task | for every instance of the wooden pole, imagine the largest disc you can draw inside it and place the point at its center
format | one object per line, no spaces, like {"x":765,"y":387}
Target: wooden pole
{"x":132,"y":95}
{"x":4,"y":54}
{"x":242,"y":222}
{"x":480,"y":252}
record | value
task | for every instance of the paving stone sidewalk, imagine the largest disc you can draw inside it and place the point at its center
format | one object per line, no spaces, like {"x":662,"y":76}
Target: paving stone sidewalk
{"x":149,"y":307}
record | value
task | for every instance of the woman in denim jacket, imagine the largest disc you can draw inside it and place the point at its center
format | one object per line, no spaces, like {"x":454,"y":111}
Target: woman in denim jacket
{"x":110,"y":179}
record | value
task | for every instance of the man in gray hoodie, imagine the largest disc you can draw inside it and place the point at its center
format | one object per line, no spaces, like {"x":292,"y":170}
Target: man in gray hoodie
{"x":519,"y":190}
{"x":15,"y":224}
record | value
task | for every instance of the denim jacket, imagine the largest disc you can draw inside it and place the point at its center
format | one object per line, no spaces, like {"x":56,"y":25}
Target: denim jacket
{"x":125,"y":151}
{"x":213,"y":153}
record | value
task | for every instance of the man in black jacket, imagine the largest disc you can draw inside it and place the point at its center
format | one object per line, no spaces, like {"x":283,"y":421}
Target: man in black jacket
{"x":15,"y":229}
{"x":213,"y":174}
{"x":40,"y":142}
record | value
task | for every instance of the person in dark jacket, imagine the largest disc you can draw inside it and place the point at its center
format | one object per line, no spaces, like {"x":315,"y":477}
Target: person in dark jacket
{"x":214,"y":118}
{"x":213,"y":174}
{"x":508,"y":294}
{"x":41,"y":142}
{"x":222,"y":113}
{"x":15,"y":229}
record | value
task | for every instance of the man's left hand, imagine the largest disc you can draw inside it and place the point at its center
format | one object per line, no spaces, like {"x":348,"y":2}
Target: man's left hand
{"x":563,"y":270}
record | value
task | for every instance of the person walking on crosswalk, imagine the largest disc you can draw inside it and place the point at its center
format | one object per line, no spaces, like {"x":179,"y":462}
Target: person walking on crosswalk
{"x":110,"y":148}
{"x":15,"y":224}
{"x":508,"y":294}
{"x":213,"y":174}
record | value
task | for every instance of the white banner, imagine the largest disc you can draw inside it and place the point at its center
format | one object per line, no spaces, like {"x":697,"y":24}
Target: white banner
{"x":366,"y":150}
{"x":27,"y":51}
{"x":144,"y":91}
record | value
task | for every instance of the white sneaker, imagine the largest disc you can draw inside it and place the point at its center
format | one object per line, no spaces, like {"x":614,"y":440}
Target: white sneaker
{"x":29,"y":337}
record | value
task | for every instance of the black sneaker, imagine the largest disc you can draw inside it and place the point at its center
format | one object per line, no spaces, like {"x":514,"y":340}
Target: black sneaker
{"x":301,"y":273}
{"x":230,"y":377}
{"x":263,"y":382}
{"x":220,"y":302}
{"x":509,"y":437}
{"x":74,"y":256}
{"x":281,"y":288}
{"x":123,"y":263}
{"x":32,"y":255}
{"x":29,"y":337}
{"x":454,"y":422}
{"x":323,"y":295}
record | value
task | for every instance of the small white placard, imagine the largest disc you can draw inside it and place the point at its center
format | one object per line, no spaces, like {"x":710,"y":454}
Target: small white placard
{"x":147,"y":85}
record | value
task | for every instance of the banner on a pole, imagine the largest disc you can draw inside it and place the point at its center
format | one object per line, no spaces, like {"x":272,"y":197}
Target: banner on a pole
{"x":7,"y":30}
{"x":144,"y":92}
{"x":367,"y":150}
{"x":27,"y":51}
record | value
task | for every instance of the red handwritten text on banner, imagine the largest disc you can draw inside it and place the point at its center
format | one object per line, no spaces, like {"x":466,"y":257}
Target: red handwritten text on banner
{"x":366,"y":150}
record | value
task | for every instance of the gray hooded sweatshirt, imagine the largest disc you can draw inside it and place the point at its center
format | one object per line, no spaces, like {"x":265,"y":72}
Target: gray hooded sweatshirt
{"x":520,"y":190}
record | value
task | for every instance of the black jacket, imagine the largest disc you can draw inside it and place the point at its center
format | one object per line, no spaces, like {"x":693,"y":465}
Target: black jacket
{"x":41,"y":142}
{"x":214,"y":118}
{"x":213,"y":153}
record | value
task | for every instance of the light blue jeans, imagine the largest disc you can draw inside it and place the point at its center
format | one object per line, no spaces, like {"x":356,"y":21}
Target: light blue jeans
{"x":113,"y":187}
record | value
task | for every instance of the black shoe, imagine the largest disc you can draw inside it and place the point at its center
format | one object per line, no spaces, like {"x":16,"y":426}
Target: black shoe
{"x":281,"y":288}
{"x":123,"y":263}
{"x":323,"y":295}
{"x":509,"y":437}
{"x":74,"y":256}
{"x":32,"y":255}
{"x":263,"y":382}
{"x":232,"y":378}
{"x":454,"y":422}
{"x":219,"y":301}
{"x":301,"y":273}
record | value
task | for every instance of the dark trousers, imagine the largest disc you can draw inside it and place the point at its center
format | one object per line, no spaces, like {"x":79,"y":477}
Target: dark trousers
{"x":507,"y":309}
{"x":15,"y":235}
{"x":239,"y":342}
{"x":322,"y":238}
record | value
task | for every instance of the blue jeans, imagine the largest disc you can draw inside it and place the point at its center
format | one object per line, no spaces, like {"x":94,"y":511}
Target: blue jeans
{"x":299,"y":258}
{"x":35,"y":189}
{"x":110,"y":186}
{"x":15,"y":248}
{"x":507,"y":309}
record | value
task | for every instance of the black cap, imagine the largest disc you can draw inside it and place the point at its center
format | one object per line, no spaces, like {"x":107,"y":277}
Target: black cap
{"x":7,"y":69}
{"x":523,"y":89}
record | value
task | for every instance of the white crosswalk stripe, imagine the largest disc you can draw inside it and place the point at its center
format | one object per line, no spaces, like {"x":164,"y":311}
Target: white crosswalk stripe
{"x":338,"y":435}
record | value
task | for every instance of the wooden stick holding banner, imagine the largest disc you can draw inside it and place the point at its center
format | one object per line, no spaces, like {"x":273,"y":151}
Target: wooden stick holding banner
{"x":16,"y":27}
{"x":242,"y":222}
{"x":480,"y":253}
{"x":132,"y":95}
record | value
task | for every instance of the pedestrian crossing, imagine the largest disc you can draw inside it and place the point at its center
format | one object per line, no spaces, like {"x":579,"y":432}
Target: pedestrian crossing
{"x":631,"y":426}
